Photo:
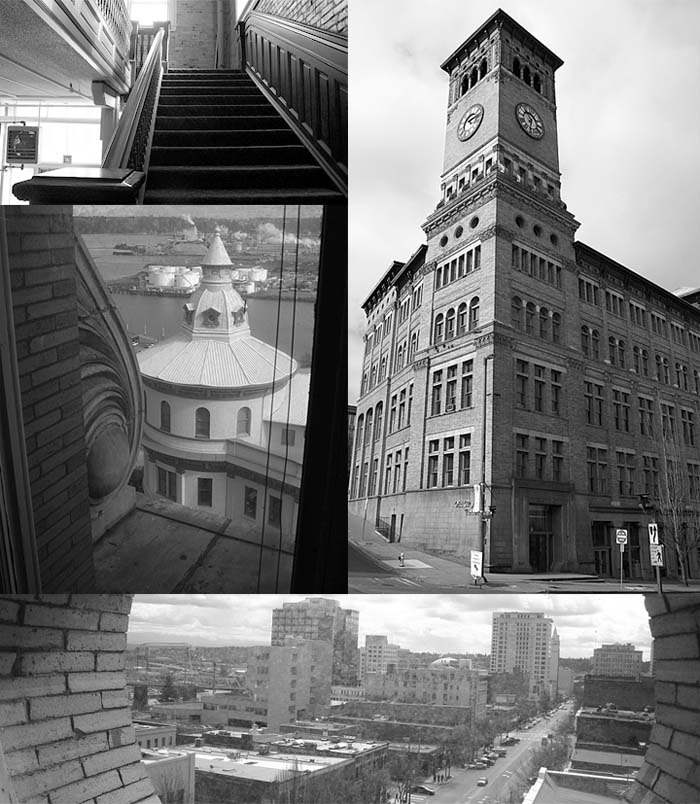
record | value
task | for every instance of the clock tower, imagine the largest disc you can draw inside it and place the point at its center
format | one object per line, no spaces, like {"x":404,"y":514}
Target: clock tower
{"x":500,"y":273}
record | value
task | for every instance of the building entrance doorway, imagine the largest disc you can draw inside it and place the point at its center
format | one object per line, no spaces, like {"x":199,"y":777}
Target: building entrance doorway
{"x":602,"y":550}
{"x":541,"y":537}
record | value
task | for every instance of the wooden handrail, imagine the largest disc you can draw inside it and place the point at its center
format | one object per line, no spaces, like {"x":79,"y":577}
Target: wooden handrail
{"x":129,"y":145}
{"x":304,"y":72}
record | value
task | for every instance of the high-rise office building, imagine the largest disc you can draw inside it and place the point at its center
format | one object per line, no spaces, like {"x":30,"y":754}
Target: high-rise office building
{"x":320,"y":618}
{"x":528,"y":642}
{"x":378,"y":656}
{"x":617,"y":660}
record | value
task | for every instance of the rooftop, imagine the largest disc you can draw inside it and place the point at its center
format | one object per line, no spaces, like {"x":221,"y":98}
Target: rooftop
{"x":557,"y":787}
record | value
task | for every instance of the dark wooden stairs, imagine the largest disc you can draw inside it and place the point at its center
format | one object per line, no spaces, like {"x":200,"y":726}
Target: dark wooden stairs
{"x":217,"y":139}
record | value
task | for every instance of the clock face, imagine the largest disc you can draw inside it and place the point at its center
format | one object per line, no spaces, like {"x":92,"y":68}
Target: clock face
{"x":530,"y":121}
{"x":470,"y":121}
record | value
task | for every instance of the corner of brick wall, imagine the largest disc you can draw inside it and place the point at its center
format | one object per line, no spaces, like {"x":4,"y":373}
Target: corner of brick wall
{"x":330,"y":15}
{"x":65,"y":723}
{"x":41,"y":248}
{"x":671,"y":770}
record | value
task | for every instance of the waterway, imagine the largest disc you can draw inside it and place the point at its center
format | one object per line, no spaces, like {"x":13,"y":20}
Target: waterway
{"x":287,"y":325}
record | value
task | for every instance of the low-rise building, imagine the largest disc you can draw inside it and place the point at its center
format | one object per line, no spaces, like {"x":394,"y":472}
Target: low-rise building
{"x":172,"y":773}
{"x":617,"y":660}
{"x":152,"y":734}
{"x":558,"y":787}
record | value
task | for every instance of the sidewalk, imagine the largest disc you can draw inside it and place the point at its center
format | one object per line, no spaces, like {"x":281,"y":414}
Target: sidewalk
{"x":437,"y":570}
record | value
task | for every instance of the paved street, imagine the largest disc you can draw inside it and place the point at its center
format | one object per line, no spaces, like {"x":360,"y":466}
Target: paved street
{"x":463,"y":788}
{"x":374,"y":567}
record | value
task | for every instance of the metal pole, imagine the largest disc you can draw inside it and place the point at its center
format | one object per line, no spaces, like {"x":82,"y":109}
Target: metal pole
{"x":622,"y":553}
{"x":482,"y":484}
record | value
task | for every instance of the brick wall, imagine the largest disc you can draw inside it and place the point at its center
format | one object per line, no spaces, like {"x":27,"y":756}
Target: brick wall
{"x":671,"y":771}
{"x":193,"y":39}
{"x":623,"y":692}
{"x":65,"y":722}
{"x":331,"y":15}
{"x":41,"y":251}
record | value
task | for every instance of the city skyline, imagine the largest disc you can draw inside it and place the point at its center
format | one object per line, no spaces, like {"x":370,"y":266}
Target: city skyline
{"x":418,"y":623}
{"x":399,"y":171}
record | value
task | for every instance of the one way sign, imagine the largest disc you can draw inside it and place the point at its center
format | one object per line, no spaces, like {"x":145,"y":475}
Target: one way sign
{"x":653,"y":533}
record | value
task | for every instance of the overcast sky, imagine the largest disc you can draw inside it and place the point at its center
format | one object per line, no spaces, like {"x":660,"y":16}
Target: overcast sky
{"x":438,"y":623}
{"x":628,"y":122}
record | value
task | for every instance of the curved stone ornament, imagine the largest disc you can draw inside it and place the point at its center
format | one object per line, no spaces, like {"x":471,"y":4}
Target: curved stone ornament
{"x":111,"y":384}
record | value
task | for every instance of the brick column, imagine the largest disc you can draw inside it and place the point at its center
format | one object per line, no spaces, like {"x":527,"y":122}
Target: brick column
{"x":65,"y":723}
{"x":671,"y":771}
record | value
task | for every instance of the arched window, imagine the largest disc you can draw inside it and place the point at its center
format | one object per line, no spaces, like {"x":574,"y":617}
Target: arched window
{"x":537,"y":83}
{"x":165,"y":417}
{"x":438,"y":331}
{"x":450,"y":324}
{"x":201,"y":423}
{"x":530,"y":318}
{"x":243,"y":422}
{"x":399,"y":358}
{"x":696,"y":377}
{"x":595,"y":344}
{"x":474,"y":313}
{"x":621,"y":353}
{"x":556,"y":327}
{"x":516,"y":313}
{"x":659,"y":369}
{"x":684,"y":378}
{"x":368,"y":426}
{"x":373,"y":376}
{"x":516,"y":67}
{"x":544,"y":323}
{"x":464,"y":86}
{"x":474,"y":77}
{"x":645,"y":362}
{"x":360,"y":430}
{"x":526,"y":75}
{"x":612,"y":350}
{"x":462,"y":318}
{"x":382,"y":368}
{"x":586,"y":341}
{"x":363,"y":387}
{"x":483,"y":69}
{"x":637,"y":359}
{"x":378,"y":421}
{"x":667,"y":372}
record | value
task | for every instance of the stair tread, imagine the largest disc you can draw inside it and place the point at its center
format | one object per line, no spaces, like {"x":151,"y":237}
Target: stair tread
{"x":285,"y":195}
{"x":233,"y":168}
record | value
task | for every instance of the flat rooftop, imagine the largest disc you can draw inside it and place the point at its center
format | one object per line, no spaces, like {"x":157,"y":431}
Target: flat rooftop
{"x":348,"y":748}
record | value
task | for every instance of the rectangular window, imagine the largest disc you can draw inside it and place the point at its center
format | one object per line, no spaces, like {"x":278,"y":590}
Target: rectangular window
{"x":521,"y":455}
{"x":597,"y":462}
{"x":557,"y":461}
{"x":621,"y":410}
{"x":625,"y":473}
{"x":651,"y":475}
{"x":467,"y":384}
{"x":397,"y":472}
{"x":464,"y":458}
{"x":539,"y":388}
{"x":436,"y":403}
{"x":646,"y":416}
{"x":432,"y":471}
{"x":448,"y":469}
{"x":204,"y":491}
{"x":387,"y":474}
{"x":274,"y":510}
{"x":522,"y":375}
{"x":167,"y":484}
{"x":556,"y":391}
{"x":402,"y":407}
{"x":540,"y":457}
{"x":250,"y":501}
{"x":688,"y":423}
{"x":451,"y":389}
{"x":288,"y":436}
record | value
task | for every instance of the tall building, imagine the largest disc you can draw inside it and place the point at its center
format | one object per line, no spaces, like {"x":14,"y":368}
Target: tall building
{"x":378,"y":656}
{"x":617,"y":660}
{"x":319,"y":618}
{"x":527,"y":642}
{"x":225,"y":411}
{"x":511,"y":373}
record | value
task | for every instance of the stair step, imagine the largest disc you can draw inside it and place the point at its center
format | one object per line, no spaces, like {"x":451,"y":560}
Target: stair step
{"x":265,"y":119}
{"x":224,"y":138}
{"x":303,"y":195}
{"x":248,"y":177}
{"x":208,"y":89}
{"x":210,"y":110}
{"x":201,"y":100}
{"x":235,"y":156}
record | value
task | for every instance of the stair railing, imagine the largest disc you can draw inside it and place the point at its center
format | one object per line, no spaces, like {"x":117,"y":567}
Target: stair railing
{"x":303,"y":71}
{"x":130,"y":145}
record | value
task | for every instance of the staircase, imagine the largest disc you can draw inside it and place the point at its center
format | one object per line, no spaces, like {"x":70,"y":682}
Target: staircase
{"x":217,"y":139}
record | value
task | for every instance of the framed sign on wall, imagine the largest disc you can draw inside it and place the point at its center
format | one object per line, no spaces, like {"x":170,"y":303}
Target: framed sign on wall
{"x":22,"y":145}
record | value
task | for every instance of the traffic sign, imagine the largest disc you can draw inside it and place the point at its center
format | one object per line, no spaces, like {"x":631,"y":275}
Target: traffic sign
{"x":475,"y":563}
{"x":621,"y":536}
{"x":653,"y":528}
{"x":657,"y":555}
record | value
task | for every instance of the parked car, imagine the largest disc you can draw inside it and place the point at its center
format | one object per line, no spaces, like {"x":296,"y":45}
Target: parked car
{"x":501,"y":752}
{"x":480,"y":765}
{"x":482,"y":782}
{"x":423,"y":790}
{"x":472,"y":765}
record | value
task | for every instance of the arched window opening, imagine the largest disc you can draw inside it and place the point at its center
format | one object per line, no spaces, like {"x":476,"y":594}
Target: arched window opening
{"x":474,"y":313}
{"x":462,"y":319}
{"x":645,"y":363}
{"x":585,"y":341}
{"x":360,"y":430}
{"x":368,"y":427}
{"x":450,"y":324}
{"x":464,"y":85}
{"x":438,"y":331}
{"x":378,"y":421}
{"x":483,"y":69}
{"x":473,"y":77}
{"x":621,"y":353}
{"x":243,"y":422}
{"x":537,"y":83}
{"x":165,"y":417}
{"x":516,"y":67}
{"x":612,"y":351}
{"x":595,"y":344}
{"x":556,"y":327}
{"x":659,"y":369}
{"x":544,"y":323}
{"x":526,"y":75}
{"x":667,"y":371}
{"x":530,"y":318}
{"x":516,"y":313}
{"x":201,"y":423}
{"x":637,"y":359}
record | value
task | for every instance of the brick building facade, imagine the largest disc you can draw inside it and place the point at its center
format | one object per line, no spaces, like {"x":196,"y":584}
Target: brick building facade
{"x":331,"y":15}
{"x":509,"y":367}
{"x":65,"y":722}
